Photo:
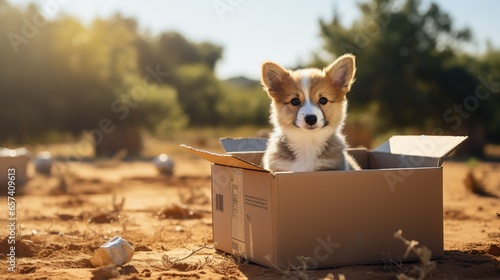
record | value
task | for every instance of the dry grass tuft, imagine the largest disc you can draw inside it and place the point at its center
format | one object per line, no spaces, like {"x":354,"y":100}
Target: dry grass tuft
{"x":226,"y":266}
{"x":167,"y":260}
{"x":117,"y":206}
{"x":62,"y":174}
{"x":298,"y":272}
{"x":194,"y":195}
{"x":424,"y":254}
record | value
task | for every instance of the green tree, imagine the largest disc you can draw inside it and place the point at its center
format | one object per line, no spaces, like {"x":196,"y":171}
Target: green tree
{"x":488,"y":72}
{"x":409,"y":72}
{"x":190,"y":68}
{"x":242,"y":104}
{"x":198,"y":93}
{"x":60,"y":75}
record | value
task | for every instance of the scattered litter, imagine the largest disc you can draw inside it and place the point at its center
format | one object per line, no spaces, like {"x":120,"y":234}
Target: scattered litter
{"x":6,"y":152}
{"x":116,"y":251}
{"x":14,"y":159}
{"x":43,"y":163}
{"x":164,"y":164}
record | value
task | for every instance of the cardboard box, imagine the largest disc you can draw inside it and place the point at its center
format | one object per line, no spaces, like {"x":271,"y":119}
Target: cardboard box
{"x":329,"y":218}
{"x":18,"y":161}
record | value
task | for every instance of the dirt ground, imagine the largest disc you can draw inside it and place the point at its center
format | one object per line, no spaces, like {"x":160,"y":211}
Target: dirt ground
{"x":63,"y":220}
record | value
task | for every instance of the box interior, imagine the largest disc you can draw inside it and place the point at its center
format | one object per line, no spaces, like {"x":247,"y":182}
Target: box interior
{"x":366,"y":159}
{"x":400,"y":151}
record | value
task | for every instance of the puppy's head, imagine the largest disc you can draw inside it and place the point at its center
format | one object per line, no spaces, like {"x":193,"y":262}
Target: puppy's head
{"x":309,"y":99}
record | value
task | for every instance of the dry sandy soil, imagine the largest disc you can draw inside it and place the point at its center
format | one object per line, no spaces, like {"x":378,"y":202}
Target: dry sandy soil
{"x":62,"y":224}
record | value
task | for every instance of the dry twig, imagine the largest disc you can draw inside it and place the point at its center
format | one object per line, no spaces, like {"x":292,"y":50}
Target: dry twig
{"x":167,"y":262}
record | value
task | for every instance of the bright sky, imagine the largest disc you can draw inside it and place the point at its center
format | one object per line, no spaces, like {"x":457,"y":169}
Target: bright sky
{"x":251,"y":31}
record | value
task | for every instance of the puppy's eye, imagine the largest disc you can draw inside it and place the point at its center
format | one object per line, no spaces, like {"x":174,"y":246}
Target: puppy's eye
{"x":323,"y":100}
{"x":295,"y":101}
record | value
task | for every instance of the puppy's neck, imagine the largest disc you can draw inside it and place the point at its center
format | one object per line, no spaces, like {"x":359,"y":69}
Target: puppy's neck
{"x":307,"y":144}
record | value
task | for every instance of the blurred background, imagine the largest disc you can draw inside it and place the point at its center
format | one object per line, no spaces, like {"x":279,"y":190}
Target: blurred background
{"x":118,"y":76}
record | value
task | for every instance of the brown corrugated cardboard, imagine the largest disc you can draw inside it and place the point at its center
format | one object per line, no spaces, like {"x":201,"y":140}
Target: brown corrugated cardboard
{"x":329,"y":218}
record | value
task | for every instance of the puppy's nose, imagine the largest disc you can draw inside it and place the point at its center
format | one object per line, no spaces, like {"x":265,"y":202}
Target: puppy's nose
{"x":310,"y":119}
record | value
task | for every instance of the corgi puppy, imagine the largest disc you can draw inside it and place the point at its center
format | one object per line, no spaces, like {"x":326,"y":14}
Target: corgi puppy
{"x":308,"y":110}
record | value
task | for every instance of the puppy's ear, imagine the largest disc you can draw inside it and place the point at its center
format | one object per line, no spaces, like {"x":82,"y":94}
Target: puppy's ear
{"x":273,"y":77}
{"x":341,"y":72}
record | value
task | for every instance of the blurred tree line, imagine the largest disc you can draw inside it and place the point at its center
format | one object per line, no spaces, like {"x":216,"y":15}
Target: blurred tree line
{"x":413,"y":73}
{"x":60,"y":76}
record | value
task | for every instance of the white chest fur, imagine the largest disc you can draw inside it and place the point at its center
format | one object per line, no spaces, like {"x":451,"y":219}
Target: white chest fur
{"x":307,"y":147}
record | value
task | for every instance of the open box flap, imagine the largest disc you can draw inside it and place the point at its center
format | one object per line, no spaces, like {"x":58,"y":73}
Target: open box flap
{"x":232,"y":145}
{"x":421,"y":145}
{"x":223,"y":159}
